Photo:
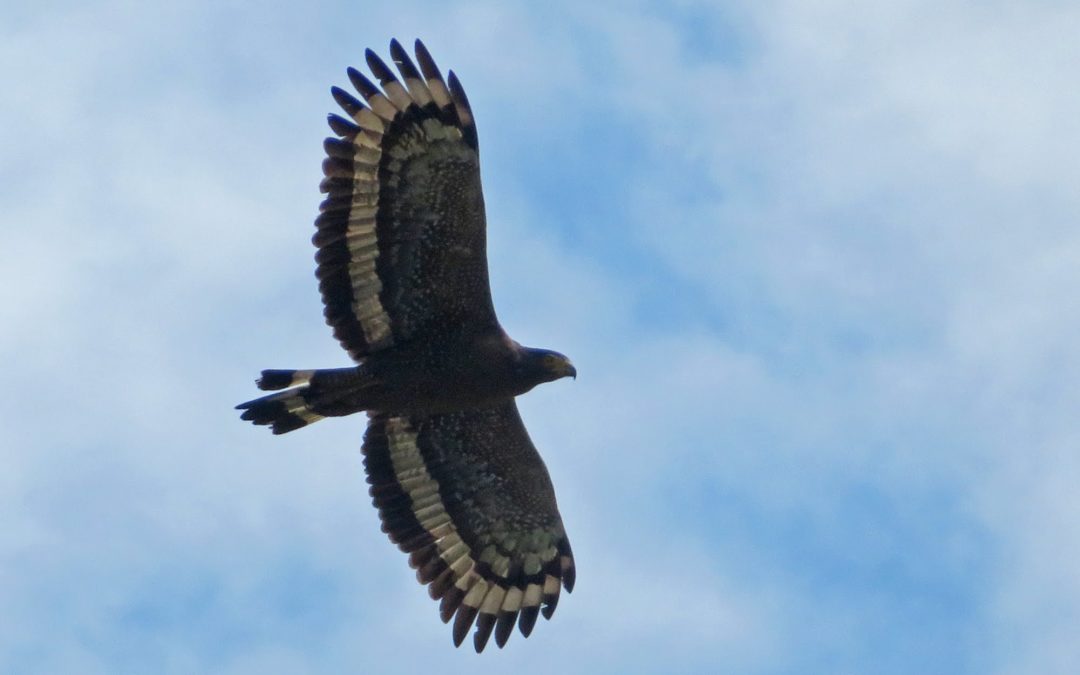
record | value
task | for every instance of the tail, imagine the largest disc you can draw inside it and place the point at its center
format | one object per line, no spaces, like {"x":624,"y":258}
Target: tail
{"x":307,"y":397}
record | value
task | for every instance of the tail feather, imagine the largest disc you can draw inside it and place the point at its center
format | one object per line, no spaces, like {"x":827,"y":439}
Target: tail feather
{"x":307,"y":396}
{"x":273,"y":380}
{"x":282,"y":412}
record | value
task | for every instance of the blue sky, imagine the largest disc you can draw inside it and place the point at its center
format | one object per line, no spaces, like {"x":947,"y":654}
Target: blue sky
{"x":816,"y":264}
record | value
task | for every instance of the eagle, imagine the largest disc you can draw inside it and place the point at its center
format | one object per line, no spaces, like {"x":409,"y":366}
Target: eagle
{"x":402,"y":269}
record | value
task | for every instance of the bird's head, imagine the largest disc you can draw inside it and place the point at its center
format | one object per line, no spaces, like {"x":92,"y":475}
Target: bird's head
{"x":544,"y":365}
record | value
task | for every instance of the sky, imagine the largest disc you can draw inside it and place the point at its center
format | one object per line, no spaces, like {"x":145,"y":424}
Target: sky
{"x":816,"y":263}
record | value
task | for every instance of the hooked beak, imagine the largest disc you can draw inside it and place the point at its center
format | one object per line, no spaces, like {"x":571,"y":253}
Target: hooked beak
{"x":570,"y":370}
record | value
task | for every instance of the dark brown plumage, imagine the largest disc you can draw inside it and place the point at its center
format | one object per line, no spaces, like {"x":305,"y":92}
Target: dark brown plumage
{"x":402,"y":269}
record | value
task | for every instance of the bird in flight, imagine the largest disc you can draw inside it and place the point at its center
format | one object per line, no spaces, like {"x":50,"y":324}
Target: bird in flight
{"x":402,"y":269}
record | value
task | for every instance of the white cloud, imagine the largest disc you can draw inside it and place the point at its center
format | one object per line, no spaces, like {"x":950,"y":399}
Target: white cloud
{"x":837,"y":278}
{"x":918,"y":165}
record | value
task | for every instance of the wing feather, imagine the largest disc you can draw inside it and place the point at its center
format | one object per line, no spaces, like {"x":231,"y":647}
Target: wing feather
{"x":468,"y":497}
{"x":418,"y":89}
{"x":401,"y":236}
{"x":436,"y":84}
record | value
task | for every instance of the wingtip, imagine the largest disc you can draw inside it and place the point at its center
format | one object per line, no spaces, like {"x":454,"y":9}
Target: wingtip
{"x":485,"y":623}
{"x":378,"y":67}
{"x":567,"y":566}
{"x":527,"y":619}
{"x":463,"y":623}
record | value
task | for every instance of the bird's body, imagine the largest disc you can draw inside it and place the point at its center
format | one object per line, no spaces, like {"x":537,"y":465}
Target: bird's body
{"x":460,"y":372}
{"x":402,"y":268}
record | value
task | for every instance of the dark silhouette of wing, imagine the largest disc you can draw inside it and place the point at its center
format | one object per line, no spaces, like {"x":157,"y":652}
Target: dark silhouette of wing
{"x":401,"y":235}
{"x":468,"y":497}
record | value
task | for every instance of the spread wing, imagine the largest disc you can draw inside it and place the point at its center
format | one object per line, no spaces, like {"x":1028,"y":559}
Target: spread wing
{"x":468,"y":497}
{"x":401,"y":234}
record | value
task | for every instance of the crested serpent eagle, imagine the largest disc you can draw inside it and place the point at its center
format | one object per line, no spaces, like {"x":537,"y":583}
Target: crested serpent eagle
{"x":402,"y":268}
